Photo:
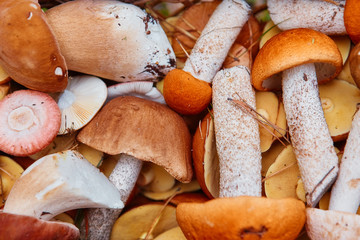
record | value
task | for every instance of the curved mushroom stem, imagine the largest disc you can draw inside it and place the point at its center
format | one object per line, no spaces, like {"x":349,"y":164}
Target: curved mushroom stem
{"x":101,"y":220}
{"x":237,"y":134}
{"x":345,"y":194}
{"x":216,"y":39}
{"x":313,"y":146}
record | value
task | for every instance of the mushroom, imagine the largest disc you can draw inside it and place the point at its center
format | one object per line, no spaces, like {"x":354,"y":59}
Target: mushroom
{"x":124,"y":43}
{"x":237,"y":134}
{"x":54,"y":184}
{"x":140,"y":89}
{"x":190,"y":92}
{"x":139,"y":130}
{"x":29,"y":51}
{"x":29,"y":122}
{"x":351,"y":19}
{"x":354,"y":63}
{"x":242,"y":217}
{"x":80,"y":101}
{"x":315,"y":59}
{"x":323,"y":16}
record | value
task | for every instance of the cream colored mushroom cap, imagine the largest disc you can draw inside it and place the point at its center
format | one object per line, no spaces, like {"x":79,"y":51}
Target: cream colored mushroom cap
{"x":292,"y":48}
{"x":144,"y":129}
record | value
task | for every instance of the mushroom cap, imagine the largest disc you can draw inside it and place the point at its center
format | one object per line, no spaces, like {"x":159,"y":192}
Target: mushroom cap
{"x":351,"y":19}
{"x":322,"y":224}
{"x":292,"y":48}
{"x":354,"y":63}
{"x":242,"y":218}
{"x":14,"y":226}
{"x":111,"y":39}
{"x":29,"y":51}
{"x":144,"y":129}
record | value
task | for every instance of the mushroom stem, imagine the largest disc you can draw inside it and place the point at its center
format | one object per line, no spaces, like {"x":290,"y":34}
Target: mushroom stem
{"x":237,"y":134}
{"x":124,"y":177}
{"x":345,"y":194}
{"x":313,"y":146}
{"x":216,"y":39}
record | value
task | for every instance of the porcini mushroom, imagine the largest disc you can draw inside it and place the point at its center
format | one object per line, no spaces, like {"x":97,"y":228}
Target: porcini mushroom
{"x":30,"y":53}
{"x":54,"y":184}
{"x":139,"y":130}
{"x":237,"y":134}
{"x":190,"y":92}
{"x":29,"y":122}
{"x":323,"y":16}
{"x":124,"y":43}
{"x":315,"y":59}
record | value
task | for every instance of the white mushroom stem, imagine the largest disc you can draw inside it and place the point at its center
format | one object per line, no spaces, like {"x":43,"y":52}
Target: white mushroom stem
{"x":141,"y":89}
{"x":313,"y":146}
{"x":60,"y":182}
{"x":101,"y":220}
{"x":237,"y":134}
{"x":219,"y":34}
{"x":320,"y":15}
{"x":345,"y":194}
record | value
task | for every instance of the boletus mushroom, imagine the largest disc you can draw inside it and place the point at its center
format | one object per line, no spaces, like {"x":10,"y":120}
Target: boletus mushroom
{"x":30,"y":53}
{"x":54,"y":184}
{"x":139,"y":130}
{"x":124,"y":43}
{"x":304,"y":57}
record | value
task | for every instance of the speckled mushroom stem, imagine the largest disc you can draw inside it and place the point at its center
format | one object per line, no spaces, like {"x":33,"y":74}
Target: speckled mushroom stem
{"x":101,"y":220}
{"x":345,"y":194}
{"x":237,"y":134}
{"x":212,"y":47}
{"x":319,"y":15}
{"x":309,"y":133}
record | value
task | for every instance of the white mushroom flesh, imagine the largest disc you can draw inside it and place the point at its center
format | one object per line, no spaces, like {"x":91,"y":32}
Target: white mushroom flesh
{"x":345,"y":194}
{"x":321,"y":225}
{"x":313,"y":146}
{"x":219,"y":34}
{"x":60,"y":182}
{"x":322,"y":16}
{"x":237,"y":134}
{"x":124,"y":177}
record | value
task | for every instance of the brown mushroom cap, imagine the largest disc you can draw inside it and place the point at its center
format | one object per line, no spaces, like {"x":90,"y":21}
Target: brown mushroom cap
{"x":29,"y":51}
{"x":144,"y":129}
{"x":16,"y":227}
{"x":292,"y":48}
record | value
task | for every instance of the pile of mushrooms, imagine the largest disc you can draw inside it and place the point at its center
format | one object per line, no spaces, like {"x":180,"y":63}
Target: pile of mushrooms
{"x":85,"y":74}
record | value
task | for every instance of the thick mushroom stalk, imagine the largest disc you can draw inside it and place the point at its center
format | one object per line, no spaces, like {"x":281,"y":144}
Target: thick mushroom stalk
{"x":124,"y":177}
{"x":345,"y":194}
{"x":124,"y":43}
{"x":324,"y":16}
{"x":237,"y":134}
{"x":309,"y":133}
{"x":60,"y":182}
{"x":216,"y":39}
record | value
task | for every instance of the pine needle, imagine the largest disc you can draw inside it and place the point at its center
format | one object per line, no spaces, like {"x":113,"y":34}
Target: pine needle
{"x":278,"y":172}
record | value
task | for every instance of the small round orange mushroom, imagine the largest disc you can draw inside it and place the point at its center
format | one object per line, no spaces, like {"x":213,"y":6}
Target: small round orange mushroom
{"x":354,"y":63}
{"x":352,"y":19}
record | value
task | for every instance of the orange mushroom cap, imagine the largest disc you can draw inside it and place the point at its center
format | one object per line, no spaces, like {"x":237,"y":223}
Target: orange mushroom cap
{"x":292,"y":48}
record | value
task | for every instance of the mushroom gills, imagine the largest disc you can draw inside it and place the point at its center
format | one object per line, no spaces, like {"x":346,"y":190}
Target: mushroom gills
{"x":309,"y":133}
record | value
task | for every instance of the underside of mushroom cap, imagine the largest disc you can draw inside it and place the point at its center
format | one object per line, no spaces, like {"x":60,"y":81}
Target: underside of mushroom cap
{"x":144,"y":129}
{"x":292,"y":48}
{"x":322,"y":224}
{"x":14,"y":226}
{"x":30,"y":53}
